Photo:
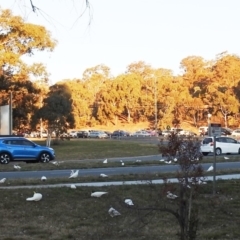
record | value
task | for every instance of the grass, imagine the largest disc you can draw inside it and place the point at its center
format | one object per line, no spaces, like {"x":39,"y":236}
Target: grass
{"x":80,"y":149}
{"x":64,"y":213}
{"x":75,"y":154}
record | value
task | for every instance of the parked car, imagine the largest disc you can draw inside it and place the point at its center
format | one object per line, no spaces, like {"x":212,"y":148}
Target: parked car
{"x":73,"y":134}
{"x":120,"y":133}
{"x":226,"y":131}
{"x":166,"y":133}
{"x":236,"y":133}
{"x":141,"y":133}
{"x":22,"y":149}
{"x":108,"y":133}
{"x":82,"y":134}
{"x":224,"y":145}
{"x":187,"y":133}
{"x":97,"y":134}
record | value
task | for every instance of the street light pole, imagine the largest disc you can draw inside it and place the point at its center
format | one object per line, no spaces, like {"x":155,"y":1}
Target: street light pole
{"x":155,"y":102}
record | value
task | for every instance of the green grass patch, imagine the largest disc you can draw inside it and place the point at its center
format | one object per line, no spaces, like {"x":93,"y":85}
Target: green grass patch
{"x":64,"y":213}
{"x":80,"y":149}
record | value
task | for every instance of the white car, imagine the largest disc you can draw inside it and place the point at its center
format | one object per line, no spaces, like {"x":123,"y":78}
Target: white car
{"x":236,"y":133}
{"x":141,"y":134}
{"x":73,"y":134}
{"x":223,"y":145}
{"x":187,"y":133}
{"x":166,"y":133}
{"x":97,"y":134}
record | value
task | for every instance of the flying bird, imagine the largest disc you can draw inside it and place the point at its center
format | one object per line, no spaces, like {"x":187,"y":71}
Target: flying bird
{"x":105,"y":161}
{"x":171,"y":195}
{"x":74,"y":174}
{"x":210,"y":169}
{"x":73,"y":186}
{"x":43,"y":178}
{"x":129,"y":202}
{"x":3,"y":180}
{"x":16,"y":167}
{"x":103,"y":175}
{"x":97,"y":194}
{"x":36,"y":197}
{"x":113,"y":212}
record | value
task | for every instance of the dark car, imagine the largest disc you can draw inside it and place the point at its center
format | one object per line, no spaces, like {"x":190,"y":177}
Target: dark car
{"x":82,"y":134}
{"x":120,"y":133}
{"x":226,"y":131}
{"x":22,"y":149}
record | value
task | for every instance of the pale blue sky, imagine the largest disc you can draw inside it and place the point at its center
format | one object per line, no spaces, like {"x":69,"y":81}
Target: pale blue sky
{"x":158,"y":32}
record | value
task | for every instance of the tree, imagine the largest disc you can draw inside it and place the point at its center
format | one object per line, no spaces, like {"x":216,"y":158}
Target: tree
{"x":190,"y":175}
{"x":57,"y":109}
{"x":17,"y":39}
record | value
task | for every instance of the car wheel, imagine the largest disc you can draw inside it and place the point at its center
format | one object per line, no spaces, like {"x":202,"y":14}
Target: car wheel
{"x":218,"y":151}
{"x":44,"y":157}
{"x":5,"y":158}
{"x":205,"y":153}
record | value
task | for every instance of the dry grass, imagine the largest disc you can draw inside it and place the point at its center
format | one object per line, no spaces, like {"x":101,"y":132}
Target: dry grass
{"x":64,"y":213}
{"x":80,"y":149}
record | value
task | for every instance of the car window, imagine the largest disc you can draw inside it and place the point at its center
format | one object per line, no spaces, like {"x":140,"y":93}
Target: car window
{"x":221,"y":139}
{"x":15,"y":142}
{"x":207,"y":140}
{"x":231,"y":140}
{"x":26,"y":143}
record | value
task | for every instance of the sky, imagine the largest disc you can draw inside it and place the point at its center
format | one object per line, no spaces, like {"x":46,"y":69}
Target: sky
{"x":117,"y":33}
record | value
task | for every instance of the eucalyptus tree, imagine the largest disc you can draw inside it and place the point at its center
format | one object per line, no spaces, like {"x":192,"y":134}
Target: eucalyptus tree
{"x":20,"y":39}
{"x":57,"y":110}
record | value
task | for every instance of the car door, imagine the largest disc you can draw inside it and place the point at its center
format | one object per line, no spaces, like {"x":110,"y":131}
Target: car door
{"x":221,"y":142}
{"x":29,"y":149}
{"x":15,"y":147}
{"x":233,"y":145}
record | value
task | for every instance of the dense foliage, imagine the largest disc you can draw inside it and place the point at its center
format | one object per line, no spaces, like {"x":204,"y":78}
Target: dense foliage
{"x":142,"y":93}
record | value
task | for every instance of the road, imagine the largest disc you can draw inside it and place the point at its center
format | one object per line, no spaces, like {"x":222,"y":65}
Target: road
{"x":109,"y":171}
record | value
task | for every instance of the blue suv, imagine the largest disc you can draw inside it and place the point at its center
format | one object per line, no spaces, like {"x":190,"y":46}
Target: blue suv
{"x":22,"y":149}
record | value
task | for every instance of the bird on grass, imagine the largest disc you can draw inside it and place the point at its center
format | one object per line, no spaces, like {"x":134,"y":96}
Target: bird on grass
{"x":113,"y":212}
{"x":103,"y":175}
{"x":171,"y":195}
{"x":122,"y":163}
{"x":162,"y":160}
{"x":17,"y":167}
{"x":74,"y":174}
{"x":3,"y":180}
{"x":168,"y":162}
{"x":105,"y":161}
{"x":138,"y":161}
{"x":43,"y":178}
{"x":129,"y":202}
{"x":73,"y":186}
{"x":226,"y":158}
{"x":36,"y":197}
{"x":210,"y":169}
{"x":98,"y":194}
{"x":55,"y":163}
